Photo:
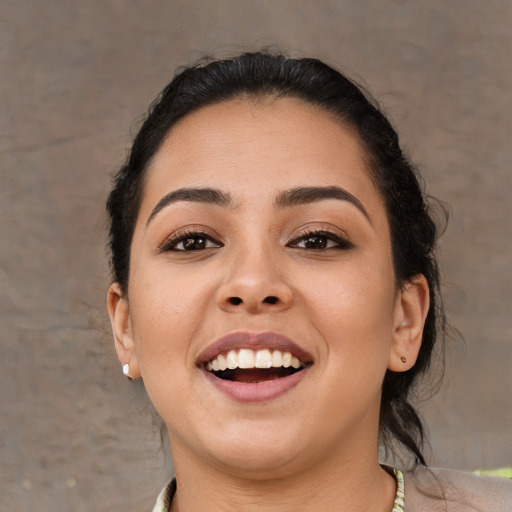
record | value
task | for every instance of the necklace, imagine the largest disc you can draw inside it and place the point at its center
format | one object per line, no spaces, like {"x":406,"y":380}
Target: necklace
{"x":399,"y":503}
{"x":165,"y":498}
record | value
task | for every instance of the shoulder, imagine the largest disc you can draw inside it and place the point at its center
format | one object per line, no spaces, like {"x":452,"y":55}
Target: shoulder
{"x":456,"y":491}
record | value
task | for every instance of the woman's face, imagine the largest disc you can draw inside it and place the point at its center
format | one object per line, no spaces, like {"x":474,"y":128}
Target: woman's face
{"x":262,"y":241}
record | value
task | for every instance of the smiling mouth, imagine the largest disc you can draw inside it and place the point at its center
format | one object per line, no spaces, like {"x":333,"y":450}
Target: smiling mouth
{"x":254,"y":366}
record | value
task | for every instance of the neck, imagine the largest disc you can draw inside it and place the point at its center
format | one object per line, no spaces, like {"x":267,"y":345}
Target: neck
{"x":354,"y":484}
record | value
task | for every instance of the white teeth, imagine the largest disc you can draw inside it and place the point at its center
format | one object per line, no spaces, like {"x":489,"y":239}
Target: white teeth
{"x":277,"y":359}
{"x":222,"y":362}
{"x":263,"y":359}
{"x":287,"y":359}
{"x":246,"y":358}
{"x":232,"y":360}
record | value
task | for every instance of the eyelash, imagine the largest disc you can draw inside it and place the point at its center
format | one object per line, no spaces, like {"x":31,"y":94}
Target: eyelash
{"x":172,"y":242}
{"x":341,"y":243}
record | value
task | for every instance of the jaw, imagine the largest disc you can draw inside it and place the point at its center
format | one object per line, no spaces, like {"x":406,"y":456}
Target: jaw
{"x":274,"y":440}
{"x":258,"y":436}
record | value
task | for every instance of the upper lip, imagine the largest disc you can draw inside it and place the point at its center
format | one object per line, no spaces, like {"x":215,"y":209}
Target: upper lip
{"x":253,"y":341}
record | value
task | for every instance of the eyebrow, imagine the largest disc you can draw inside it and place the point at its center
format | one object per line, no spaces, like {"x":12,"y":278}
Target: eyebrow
{"x":305,"y":195}
{"x":288,"y":198}
{"x":196,"y":195}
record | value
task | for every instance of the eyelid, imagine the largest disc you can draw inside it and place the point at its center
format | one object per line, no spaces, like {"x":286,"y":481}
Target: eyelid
{"x":187,"y":232}
{"x":334,"y":234}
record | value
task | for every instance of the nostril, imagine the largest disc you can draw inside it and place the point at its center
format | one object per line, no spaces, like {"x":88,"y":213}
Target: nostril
{"x":271,"y":300}
{"x":235,"y":301}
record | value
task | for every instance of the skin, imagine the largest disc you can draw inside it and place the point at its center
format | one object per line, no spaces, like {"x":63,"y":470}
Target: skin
{"x":316,"y":447}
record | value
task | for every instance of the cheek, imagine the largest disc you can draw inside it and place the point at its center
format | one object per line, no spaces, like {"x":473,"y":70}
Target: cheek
{"x":166,"y":311}
{"x":353,"y":311}
{"x":166,"y":314}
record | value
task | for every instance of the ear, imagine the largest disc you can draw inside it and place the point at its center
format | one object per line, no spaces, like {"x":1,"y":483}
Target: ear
{"x":411,"y":308}
{"x":119,"y":312}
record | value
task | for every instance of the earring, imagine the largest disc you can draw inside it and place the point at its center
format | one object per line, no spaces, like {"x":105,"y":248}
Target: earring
{"x":126,"y":369}
{"x":403,"y":359}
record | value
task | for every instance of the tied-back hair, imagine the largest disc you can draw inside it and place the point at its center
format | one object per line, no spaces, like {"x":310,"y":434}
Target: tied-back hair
{"x":252,"y":76}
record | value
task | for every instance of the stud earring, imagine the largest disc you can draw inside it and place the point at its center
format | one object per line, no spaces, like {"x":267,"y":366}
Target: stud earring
{"x":403,"y":359}
{"x":126,"y":369}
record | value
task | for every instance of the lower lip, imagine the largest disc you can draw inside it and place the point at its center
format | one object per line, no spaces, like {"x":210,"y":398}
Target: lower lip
{"x":256,"y":392}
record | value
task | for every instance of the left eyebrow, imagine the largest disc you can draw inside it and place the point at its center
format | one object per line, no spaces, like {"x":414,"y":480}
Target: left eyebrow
{"x":196,"y":195}
{"x":305,"y":195}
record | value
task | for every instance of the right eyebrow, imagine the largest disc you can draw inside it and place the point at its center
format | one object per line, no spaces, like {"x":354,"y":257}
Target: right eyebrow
{"x":197,"y":195}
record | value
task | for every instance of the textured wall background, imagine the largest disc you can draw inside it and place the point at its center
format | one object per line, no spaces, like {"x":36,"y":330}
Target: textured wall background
{"x":74,"y":75}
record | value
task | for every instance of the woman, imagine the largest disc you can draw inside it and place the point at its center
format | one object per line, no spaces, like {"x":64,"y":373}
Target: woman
{"x":276,"y":288}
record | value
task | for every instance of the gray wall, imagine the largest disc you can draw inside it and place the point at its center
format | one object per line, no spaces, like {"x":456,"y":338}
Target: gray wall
{"x":74,"y":75}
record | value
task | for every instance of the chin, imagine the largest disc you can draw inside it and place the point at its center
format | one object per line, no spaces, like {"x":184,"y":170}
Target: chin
{"x":258,"y":464}
{"x":259,"y":450}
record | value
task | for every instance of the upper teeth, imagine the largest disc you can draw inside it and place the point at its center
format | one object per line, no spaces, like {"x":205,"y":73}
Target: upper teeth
{"x":246,"y":359}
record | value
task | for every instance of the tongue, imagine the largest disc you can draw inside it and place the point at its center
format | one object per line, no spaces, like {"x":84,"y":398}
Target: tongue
{"x":256,"y":375}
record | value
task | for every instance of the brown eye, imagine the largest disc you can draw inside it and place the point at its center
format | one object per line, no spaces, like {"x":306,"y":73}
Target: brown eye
{"x":191,"y":242}
{"x":315,"y":242}
{"x":194,"y":244}
{"x":320,"y":241}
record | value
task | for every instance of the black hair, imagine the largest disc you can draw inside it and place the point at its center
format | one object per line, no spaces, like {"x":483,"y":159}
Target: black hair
{"x":413,"y":229}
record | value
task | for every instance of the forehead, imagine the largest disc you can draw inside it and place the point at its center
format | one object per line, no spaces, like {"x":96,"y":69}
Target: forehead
{"x":257,"y":147}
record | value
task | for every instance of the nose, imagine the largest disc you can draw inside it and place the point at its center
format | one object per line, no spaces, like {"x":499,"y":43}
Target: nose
{"x":254,"y":284}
